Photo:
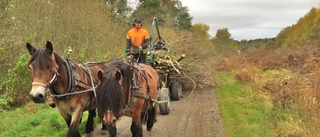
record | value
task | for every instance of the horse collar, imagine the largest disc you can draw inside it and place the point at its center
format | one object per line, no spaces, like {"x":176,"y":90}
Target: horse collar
{"x":72,"y":75}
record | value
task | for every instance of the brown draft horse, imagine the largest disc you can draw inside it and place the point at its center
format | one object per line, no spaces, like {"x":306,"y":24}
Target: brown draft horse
{"x":128,"y":90}
{"x":71,"y":86}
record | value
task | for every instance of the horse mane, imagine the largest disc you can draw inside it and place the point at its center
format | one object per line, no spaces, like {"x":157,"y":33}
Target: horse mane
{"x":125,"y":70}
{"x":44,"y":59}
{"x":110,"y":92}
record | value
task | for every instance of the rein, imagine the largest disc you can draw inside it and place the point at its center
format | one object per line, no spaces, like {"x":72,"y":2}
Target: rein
{"x":72,"y":81}
{"x":73,"y":93}
{"x":69,"y":93}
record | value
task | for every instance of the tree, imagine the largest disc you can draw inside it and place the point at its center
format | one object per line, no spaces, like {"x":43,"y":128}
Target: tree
{"x":223,"y":41}
{"x":119,"y":9}
{"x":182,"y":18}
{"x":147,"y":9}
{"x":201,"y":30}
{"x":305,"y":31}
{"x":4,"y":25}
{"x":168,"y":12}
{"x":223,"y":34}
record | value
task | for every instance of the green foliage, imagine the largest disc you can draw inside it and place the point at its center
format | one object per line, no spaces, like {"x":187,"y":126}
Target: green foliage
{"x":169,"y":13}
{"x":180,"y":16}
{"x":6,"y":57}
{"x":17,"y":81}
{"x":202,"y":30}
{"x":304,"y":32}
{"x":33,"y":120}
{"x":4,"y":5}
{"x":85,"y":26}
{"x":119,"y":8}
{"x":3,"y":69}
{"x":223,"y":34}
{"x":147,"y":9}
{"x":4,"y":105}
{"x":266,"y":43}
{"x":223,"y":41}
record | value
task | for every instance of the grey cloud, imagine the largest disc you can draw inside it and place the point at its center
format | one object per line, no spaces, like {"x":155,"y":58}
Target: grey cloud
{"x":248,"y":19}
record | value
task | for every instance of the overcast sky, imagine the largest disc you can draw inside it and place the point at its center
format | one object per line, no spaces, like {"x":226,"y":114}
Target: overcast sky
{"x":248,"y":19}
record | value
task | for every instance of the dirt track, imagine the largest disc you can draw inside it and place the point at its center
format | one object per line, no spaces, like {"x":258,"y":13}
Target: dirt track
{"x":195,"y":116}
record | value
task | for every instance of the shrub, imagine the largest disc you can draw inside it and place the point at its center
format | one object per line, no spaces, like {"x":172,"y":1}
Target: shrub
{"x":246,"y":74}
{"x":18,"y":82}
{"x":3,"y":103}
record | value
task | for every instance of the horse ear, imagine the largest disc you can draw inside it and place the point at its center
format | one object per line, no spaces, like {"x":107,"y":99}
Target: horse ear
{"x":31,"y":49}
{"x":100,"y":75}
{"x":49,"y":47}
{"x":117,"y":75}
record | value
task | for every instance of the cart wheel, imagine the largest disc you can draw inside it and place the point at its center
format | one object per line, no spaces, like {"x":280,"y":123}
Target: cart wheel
{"x":164,"y":95}
{"x":175,"y":90}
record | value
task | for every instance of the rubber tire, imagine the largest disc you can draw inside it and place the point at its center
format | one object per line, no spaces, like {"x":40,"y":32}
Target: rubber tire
{"x":164,"y":95}
{"x":176,"y":90}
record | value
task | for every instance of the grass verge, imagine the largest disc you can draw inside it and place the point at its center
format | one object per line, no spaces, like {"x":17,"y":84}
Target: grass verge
{"x":35,"y":120}
{"x":244,"y":112}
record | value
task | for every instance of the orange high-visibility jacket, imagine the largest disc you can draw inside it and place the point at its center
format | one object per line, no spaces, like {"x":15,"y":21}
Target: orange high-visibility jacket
{"x":137,"y":36}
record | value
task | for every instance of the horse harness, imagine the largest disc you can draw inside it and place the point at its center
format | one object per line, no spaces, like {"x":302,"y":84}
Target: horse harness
{"x":135,"y":93}
{"x":74,"y":81}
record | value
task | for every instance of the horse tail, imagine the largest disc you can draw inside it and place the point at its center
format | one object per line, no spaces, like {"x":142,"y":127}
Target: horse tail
{"x":109,"y":95}
{"x":151,"y":118}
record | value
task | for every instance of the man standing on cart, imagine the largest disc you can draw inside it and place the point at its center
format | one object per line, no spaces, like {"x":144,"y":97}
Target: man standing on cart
{"x":137,"y":41}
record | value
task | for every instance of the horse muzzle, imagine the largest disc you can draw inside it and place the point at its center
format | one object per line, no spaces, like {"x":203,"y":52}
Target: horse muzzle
{"x":38,"y":94}
{"x":38,"y":98}
{"x":109,"y":119}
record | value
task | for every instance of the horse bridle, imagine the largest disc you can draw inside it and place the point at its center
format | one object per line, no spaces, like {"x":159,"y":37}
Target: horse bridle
{"x":53,"y":78}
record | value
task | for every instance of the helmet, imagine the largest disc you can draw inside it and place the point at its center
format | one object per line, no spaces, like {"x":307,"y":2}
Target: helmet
{"x":137,"y":20}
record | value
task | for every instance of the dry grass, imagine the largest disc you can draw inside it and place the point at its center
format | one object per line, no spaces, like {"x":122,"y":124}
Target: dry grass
{"x":291,"y":77}
{"x":246,"y":74}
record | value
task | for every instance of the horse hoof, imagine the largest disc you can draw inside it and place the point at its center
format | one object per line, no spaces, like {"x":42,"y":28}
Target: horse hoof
{"x":89,"y":135}
{"x":103,"y":132}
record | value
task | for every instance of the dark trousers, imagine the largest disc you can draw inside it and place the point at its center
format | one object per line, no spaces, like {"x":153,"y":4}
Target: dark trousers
{"x":141,"y":58}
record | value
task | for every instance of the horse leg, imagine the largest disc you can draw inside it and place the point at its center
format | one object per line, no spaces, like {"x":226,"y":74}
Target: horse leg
{"x":104,"y":129}
{"x":112,"y":129}
{"x":151,"y":118}
{"x":73,"y":127}
{"x":68,"y":121}
{"x":136,"y":125}
{"x":137,"y":119}
{"x":136,"y":129}
{"x":90,"y":122}
{"x":74,"y":124}
{"x":66,"y":117}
